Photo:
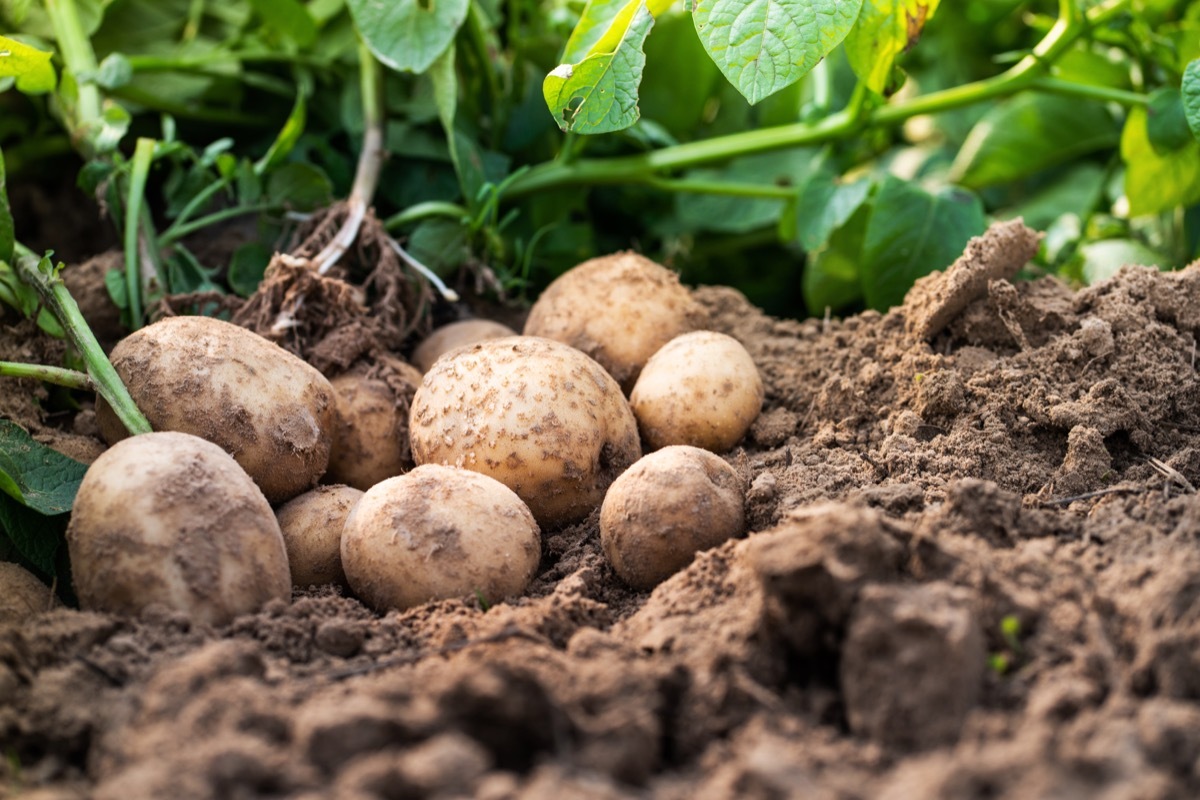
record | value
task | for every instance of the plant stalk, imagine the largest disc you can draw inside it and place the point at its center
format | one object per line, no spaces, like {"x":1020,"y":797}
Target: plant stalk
{"x":80,"y":61}
{"x":71,"y":379}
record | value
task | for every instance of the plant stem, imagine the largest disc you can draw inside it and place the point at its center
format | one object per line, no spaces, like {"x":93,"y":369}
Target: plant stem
{"x":1090,"y":91}
{"x":57,"y":375}
{"x":177,"y":232}
{"x":44,"y":278}
{"x":1025,"y":74}
{"x":143,"y":155}
{"x":370,"y":162}
{"x":420,"y":211}
{"x":762,"y":191}
{"x":80,"y":61}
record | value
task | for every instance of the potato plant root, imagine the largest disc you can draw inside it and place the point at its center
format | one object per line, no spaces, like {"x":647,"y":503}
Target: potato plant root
{"x":973,"y":569}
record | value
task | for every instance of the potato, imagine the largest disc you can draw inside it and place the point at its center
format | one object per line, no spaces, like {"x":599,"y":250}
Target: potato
{"x":439,"y":532}
{"x":312,"y":533}
{"x":171,"y":519}
{"x":538,"y":416}
{"x":666,"y":508}
{"x":21,"y":594}
{"x":455,"y":335}
{"x":619,"y":309}
{"x":702,"y":389}
{"x":370,"y":441}
{"x":270,"y":410}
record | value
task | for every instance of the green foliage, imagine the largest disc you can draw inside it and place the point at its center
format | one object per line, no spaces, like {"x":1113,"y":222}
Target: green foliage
{"x":30,"y":67}
{"x":1191,"y":96}
{"x":885,"y":29}
{"x":408,"y":35}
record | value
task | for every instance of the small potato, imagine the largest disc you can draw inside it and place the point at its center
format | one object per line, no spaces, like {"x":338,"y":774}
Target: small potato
{"x":701,"y":389}
{"x":619,"y":309}
{"x":171,"y":519}
{"x":312,"y":532}
{"x":21,"y":594}
{"x":267,"y":408}
{"x":538,"y":416}
{"x":370,"y":441}
{"x":666,"y":508}
{"x":439,"y":532}
{"x":455,"y":335}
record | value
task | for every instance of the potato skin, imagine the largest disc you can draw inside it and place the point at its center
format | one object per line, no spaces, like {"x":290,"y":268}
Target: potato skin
{"x":267,"y":408}
{"x":619,"y":309}
{"x":370,"y":439}
{"x":171,"y":519}
{"x":312,"y":526}
{"x":702,"y":389}
{"x":455,"y":335}
{"x":21,"y":594}
{"x":540,"y":417}
{"x":667,"y":507}
{"x":439,"y":532}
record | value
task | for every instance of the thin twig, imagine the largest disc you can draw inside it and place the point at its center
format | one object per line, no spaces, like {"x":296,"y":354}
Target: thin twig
{"x":1172,"y":475}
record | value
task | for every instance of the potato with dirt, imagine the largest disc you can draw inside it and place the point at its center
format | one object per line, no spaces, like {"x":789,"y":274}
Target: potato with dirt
{"x":701,"y":389}
{"x":439,"y":532}
{"x":540,"y":417}
{"x":667,"y":507}
{"x":171,"y":519}
{"x":370,"y":439}
{"x":455,"y":335}
{"x":619,"y":309}
{"x":271,"y":411}
{"x":312,"y":533}
{"x":21,"y":594}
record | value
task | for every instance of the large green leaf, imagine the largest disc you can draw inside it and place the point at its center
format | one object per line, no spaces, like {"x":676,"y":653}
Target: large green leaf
{"x":764,"y":45}
{"x":30,"y":66}
{"x":911,"y":233}
{"x":1166,"y":123}
{"x":1157,"y":182}
{"x":831,"y":278}
{"x":36,"y":537}
{"x":826,"y":203}
{"x":599,"y":93}
{"x":1191,"y":96}
{"x":408,"y":35}
{"x":44,"y":479}
{"x":1029,"y":133}
{"x":885,"y":29}
{"x":288,"y":18}
{"x":1102,"y":259}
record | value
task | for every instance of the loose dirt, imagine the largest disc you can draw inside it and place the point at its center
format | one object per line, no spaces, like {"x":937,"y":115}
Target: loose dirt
{"x":973,"y":571}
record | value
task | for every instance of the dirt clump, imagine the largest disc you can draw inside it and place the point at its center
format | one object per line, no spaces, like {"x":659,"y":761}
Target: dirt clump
{"x":972,"y":570}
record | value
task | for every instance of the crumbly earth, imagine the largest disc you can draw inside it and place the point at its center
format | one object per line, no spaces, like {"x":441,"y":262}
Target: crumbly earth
{"x":973,"y":571}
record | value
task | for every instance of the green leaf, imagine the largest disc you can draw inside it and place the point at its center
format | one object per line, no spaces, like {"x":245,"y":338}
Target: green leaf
{"x":1101,"y":260}
{"x":598,"y":94}
{"x":30,"y":66}
{"x":1166,"y":123}
{"x":7,"y":231}
{"x":289,"y":134}
{"x":763,"y":46}
{"x":826,"y":204}
{"x":408,"y":35}
{"x":440,"y":244}
{"x":289,"y":18}
{"x":299,"y":186}
{"x":1157,"y":182}
{"x":885,"y":29}
{"x":911,"y":233}
{"x":1191,"y":96}
{"x":1029,"y":133}
{"x":37,"y":538}
{"x":46,"y":480}
{"x":831,"y":279}
{"x":1077,"y":191}
{"x":114,"y":72}
{"x":247,"y":267}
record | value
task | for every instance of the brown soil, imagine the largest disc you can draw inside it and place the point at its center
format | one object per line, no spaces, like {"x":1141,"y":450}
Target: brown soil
{"x":973,"y":571}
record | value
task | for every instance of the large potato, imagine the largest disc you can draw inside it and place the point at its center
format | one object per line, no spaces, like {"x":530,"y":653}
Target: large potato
{"x":267,"y":408}
{"x":701,"y":389}
{"x":312,"y":532}
{"x":168,"y":518}
{"x":540,"y":417}
{"x":667,"y":507}
{"x":455,"y":335}
{"x":619,"y":309}
{"x":370,"y":441}
{"x":21,"y":594}
{"x":439,"y":532}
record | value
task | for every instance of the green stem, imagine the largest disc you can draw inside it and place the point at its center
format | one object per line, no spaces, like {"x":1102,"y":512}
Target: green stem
{"x":177,"y":232}
{"x":143,"y":155}
{"x":1092,"y":92}
{"x":196,"y":203}
{"x":44,"y":278}
{"x":80,"y":61}
{"x":420,"y":211}
{"x":637,"y":168}
{"x":57,"y":375}
{"x":761,"y":191}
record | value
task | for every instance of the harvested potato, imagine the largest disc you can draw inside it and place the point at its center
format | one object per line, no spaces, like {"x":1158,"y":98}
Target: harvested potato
{"x":702,"y":389}
{"x":666,"y":508}
{"x":370,"y":441}
{"x":171,"y":519}
{"x":540,"y":417}
{"x":21,"y":594}
{"x":455,"y":335}
{"x":267,"y":408}
{"x":312,"y":533}
{"x":619,"y":309}
{"x":439,"y":532}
